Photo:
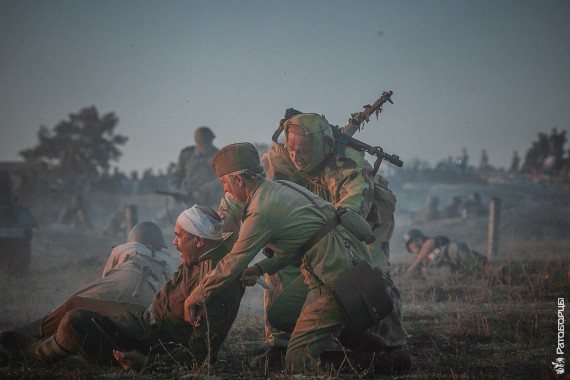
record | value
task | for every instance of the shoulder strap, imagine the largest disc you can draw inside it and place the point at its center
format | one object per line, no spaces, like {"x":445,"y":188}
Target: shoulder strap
{"x":325,"y":228}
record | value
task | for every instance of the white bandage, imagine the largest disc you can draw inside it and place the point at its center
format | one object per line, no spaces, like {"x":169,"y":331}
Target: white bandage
{"x":197,"y":223}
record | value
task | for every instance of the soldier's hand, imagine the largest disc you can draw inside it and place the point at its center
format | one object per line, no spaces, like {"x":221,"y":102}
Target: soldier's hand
{"x":249,"y":275}
{"x":131,"y":360}
{"x":190,"y":314}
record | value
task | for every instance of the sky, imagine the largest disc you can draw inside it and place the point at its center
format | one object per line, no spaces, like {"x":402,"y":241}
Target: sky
{"x":476,"y":74}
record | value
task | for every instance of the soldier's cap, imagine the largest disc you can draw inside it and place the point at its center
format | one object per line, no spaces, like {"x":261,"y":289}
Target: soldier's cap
{"x":235,"y":157}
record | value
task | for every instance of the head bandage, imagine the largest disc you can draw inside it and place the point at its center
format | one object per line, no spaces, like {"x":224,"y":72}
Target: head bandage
{"x":197,"y":223}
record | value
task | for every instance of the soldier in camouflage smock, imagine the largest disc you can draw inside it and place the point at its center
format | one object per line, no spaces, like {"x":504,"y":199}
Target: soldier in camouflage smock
{"x":308,"y":159}
{"x":283,"y":217}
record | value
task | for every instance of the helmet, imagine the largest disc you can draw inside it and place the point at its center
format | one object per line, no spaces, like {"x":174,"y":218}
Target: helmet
{"x":203,"y":134}
{"x":149,"y":234}
{"x":412,"y":236}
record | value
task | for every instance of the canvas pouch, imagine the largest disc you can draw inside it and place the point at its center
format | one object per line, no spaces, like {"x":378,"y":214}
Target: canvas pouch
{"x":361,"y":294}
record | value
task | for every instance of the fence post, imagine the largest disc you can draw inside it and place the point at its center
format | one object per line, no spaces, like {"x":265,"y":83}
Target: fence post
{"x":493,"y":227}
{"x":131,"y":217}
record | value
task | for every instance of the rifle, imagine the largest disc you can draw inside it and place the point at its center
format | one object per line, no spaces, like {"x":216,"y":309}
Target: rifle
{"x":178,"y":197}
{"x":343,"y":136}
{"x":342,"y":140}
{"x":356,"y":119}
{"x":289,"y":113}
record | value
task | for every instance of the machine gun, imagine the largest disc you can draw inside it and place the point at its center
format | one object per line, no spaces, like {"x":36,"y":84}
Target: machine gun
{"x":178,"y":197}
{"x":342,"y":141}
{"x":343,"y":136}
{"x":356,"y":119}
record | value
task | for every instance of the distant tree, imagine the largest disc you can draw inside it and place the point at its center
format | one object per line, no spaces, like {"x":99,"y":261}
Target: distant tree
{"x":83,"y":145}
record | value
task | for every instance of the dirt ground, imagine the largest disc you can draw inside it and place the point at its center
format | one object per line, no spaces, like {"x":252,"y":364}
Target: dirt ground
{"x":458,"y":328}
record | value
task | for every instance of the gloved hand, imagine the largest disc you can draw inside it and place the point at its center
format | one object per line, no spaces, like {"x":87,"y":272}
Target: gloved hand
{"x":249,"y":275}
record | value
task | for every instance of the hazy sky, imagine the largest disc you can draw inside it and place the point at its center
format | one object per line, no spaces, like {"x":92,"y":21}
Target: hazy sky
{"x":476,"y":74}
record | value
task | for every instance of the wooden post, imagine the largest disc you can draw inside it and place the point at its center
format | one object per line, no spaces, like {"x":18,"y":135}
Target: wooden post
{"x":493,"y":227}
{"x":131,"y":217}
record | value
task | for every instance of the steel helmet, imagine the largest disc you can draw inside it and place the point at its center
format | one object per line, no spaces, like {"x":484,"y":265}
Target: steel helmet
{"x":412,"y":236}
{"x":149,"y":234}
{"x":203,"y":134}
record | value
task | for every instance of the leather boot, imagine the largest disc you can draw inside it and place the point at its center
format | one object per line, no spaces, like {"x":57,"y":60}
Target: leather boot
{"x":33,"y":329}
{"x":18,"y":346}
{"x":365,"y":341}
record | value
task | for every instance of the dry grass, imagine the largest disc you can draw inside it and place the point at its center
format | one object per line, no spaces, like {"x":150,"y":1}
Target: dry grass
{"x":475,"y":328}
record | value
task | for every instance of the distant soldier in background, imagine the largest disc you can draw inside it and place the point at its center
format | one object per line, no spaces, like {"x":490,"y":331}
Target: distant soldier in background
{"x":473,"y":206}
{"x":435,"y":254}
{"x":194,"y":170}
{"x":515,"y":162}
{"x":453,"y":208}
{"x":134,"y":272}
{"x":75,"y":214}
{"x":431,"y":212}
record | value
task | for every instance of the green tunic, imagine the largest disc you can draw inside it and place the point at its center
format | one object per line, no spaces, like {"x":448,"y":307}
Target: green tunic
{"x":283,"y":219}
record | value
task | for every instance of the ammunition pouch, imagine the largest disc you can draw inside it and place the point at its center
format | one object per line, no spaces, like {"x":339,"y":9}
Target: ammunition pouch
{"x":361,"y":295}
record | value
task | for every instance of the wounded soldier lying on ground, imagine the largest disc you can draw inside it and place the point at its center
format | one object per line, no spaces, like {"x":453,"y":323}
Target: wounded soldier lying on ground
{"x":124,"y":338}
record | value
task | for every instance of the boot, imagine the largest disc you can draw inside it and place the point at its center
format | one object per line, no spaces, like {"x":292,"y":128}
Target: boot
{"x":33,"y":329}
{"x":364,"y":341}
{"x":13,"y":344}
{"x":17,"y":345}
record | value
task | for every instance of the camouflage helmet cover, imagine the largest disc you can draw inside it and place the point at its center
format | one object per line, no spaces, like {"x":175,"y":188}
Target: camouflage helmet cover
{"x":147,"y":233}
{"x":319,"y":131}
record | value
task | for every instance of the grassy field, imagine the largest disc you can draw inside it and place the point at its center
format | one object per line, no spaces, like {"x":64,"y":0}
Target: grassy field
{"x":470,"y":328}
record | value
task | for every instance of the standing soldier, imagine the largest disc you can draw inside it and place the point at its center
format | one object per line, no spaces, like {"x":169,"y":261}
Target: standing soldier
{"x":194,"y":170}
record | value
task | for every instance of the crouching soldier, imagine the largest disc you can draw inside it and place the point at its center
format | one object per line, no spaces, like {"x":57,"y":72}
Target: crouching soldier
{"x":300,"y":228}
{"x":157,"y":334}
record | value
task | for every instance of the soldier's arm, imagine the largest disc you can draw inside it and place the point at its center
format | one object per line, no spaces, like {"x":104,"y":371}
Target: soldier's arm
{"x":178,"y":173}
{"x":254,"y":235}
{"x":427,"y":247}
{"x":352,"y":185}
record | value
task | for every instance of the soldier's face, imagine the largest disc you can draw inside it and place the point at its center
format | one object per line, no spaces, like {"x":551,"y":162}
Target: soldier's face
{"x":413,"y":248}
{"x":233,"y":184}
{"x":300,"y":150}
{"x":186,"y":244}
